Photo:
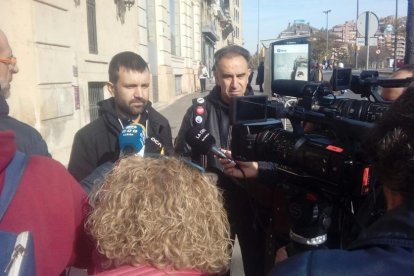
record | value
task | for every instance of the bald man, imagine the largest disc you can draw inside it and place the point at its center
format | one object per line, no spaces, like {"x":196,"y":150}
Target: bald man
{"x":28,"y":139}
{"x":391,"y":94}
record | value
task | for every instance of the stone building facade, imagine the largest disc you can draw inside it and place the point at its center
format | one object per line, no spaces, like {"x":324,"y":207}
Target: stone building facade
{"x":63,"y":48}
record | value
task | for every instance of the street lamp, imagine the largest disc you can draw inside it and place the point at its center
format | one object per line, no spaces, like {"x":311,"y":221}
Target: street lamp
{"x":394,"y":66}
{"x":258,"y":31}
{"x":327,"y":12}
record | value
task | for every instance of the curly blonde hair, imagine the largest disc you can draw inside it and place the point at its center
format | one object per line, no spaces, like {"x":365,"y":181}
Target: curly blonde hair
{"x":161,"y":212}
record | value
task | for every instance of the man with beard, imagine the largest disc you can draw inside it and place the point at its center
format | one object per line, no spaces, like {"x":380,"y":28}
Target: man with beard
{"x":246,"y":215}
{"x":97,"y":143}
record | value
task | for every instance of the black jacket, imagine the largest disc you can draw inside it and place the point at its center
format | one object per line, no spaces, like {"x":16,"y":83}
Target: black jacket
{"x":385,"y":248}
{"x":241,"y":209}
{"x":217,"y":123}
{"x":28,"y":139}
{"x":97,"y":142}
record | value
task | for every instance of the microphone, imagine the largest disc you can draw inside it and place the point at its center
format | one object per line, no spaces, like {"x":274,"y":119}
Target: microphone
{"x":132,"y":140}
{"x":153,"y":146}
{"x":202,"y":142}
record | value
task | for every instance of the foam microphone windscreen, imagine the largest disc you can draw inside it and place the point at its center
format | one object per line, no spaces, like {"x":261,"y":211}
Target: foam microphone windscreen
{"x":132,"y":140}
{"x":200,"y":140}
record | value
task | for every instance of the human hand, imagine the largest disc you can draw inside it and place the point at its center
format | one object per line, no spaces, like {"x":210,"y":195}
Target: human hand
{"x":281,"y":255}
{"x":238,"y":169}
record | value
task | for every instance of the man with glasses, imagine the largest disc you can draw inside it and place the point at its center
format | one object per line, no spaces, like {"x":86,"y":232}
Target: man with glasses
{"x":28,"y":139}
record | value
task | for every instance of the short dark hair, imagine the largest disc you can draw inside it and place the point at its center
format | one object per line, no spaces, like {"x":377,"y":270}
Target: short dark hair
{"x":129,"y":60}
{"x":391,"y":145}
{"x":229,"y":51}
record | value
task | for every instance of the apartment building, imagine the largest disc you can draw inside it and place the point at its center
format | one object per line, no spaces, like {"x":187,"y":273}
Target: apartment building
{"x":63,"y":48}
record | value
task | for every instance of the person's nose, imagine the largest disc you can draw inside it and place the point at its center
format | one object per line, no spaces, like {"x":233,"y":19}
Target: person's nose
{"x":138,"y":92}
{"x":233,"y":81}
{"x":15,"y":69}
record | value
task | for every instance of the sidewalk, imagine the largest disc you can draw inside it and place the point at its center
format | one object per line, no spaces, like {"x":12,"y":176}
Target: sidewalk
{"x":174,"y":112}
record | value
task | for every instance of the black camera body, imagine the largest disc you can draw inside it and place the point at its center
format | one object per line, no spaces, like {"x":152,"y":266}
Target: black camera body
{"x":322,"y":154}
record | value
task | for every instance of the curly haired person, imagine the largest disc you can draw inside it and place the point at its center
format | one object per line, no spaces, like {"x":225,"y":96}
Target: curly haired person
{"x":160,"y":216}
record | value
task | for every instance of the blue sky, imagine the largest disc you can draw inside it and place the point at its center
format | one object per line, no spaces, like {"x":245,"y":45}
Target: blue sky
{"x":276,"y":14}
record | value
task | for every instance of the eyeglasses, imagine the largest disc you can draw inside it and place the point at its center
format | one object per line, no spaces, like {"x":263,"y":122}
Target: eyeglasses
{"x":10,"y":60}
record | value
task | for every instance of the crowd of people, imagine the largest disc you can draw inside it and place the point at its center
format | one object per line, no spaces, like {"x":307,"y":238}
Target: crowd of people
{"x":176,"y":210}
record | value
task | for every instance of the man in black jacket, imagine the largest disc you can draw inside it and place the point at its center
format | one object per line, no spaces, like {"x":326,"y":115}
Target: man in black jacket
{"x":97,"y":143}
{"x":28,"y":139}
{"x":231,"y":71}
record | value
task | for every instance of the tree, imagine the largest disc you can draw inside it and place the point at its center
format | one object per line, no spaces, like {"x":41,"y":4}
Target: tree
{"x":318,"y":45}
{"x":409,"y":37}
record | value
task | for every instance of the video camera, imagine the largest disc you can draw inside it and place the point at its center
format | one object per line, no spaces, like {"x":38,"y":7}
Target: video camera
{"x":321,"y":159}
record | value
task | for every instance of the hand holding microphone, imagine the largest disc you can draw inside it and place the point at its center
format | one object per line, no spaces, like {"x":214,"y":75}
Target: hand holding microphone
{"x":239,"y":169}
{"x":202,"y":142}
{"x":132,"y":140}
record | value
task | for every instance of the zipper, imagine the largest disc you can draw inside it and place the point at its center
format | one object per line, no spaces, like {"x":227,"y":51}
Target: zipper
{"x":13,"y":266}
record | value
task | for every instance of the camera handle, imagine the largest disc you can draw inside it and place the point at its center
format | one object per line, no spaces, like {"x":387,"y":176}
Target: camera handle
{"x":310,"y":217}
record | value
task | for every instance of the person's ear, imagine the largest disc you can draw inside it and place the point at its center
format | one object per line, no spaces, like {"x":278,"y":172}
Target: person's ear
{"x":111,"y":88}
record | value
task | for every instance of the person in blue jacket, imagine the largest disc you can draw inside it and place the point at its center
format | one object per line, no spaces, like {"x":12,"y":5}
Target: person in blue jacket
{"x":28,"y":139}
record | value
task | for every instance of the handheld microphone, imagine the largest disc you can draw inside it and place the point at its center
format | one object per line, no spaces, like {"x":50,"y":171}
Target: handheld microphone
{"x":132,"y":140}
{"x":202,"y":142}
{"x":153,"y":146}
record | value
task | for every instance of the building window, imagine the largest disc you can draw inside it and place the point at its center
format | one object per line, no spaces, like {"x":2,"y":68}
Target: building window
{"x":175,"y":28}
{"x":178,"y":88}
{"x":95,"y":94}
{"x":91,"y":17}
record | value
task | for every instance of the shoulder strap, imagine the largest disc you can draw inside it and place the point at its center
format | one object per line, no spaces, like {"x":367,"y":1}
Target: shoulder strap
{"x":14,"y":172}
{"x":199,"y":112}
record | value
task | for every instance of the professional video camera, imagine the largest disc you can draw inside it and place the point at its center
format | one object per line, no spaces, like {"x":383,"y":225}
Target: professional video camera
{"x":320,"y":161}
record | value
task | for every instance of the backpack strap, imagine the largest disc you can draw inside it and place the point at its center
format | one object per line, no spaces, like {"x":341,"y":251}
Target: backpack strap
{"x":14,"y":172}
{"x":199,"y":112}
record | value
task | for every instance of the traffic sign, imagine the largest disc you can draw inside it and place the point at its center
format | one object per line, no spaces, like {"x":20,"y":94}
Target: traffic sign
{"x":367,"y":24}
{"x":372,"y":41}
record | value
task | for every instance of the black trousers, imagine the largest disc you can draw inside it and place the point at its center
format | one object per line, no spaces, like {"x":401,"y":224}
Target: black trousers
{"x":248,"y":222}
{"x":203,"y":85}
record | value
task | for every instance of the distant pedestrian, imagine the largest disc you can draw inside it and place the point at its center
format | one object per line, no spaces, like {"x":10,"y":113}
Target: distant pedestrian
{"x":250,"y":78}
{"x":260,"y":76}
{"x":318,"y":72}
{"x":203,"y":76}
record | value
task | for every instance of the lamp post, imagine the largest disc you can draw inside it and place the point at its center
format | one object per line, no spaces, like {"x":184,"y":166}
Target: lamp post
{"x":258,"y":31}
{"x":395,"y":36}
{"x":327,"y":39}
{"x":356,"y":35}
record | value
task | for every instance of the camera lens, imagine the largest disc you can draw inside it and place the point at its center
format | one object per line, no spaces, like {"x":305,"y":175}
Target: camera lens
{"x":360,"y":110}
{"x":275,"y":145}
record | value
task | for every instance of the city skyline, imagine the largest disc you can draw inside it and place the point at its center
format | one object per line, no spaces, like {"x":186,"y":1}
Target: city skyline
{"x":275,"y":16}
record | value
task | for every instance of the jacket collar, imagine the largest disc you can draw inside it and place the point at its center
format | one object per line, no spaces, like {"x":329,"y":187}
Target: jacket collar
{"x":396,"y":227}
{"x":4,"y":107}
{"x":7,"y":148}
